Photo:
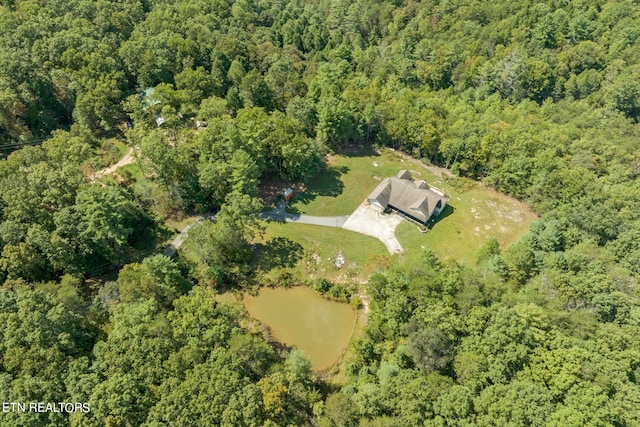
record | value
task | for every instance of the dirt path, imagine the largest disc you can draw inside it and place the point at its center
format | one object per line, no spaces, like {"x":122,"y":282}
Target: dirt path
{"x":365,"y":303}
{"x":127,"y":159}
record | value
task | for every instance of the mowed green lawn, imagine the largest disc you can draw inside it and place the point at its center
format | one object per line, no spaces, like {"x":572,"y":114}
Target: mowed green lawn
{"x":345,"y":183}
{"x":320,"y":246}
{"x":473,"y":217}
{"x":475,"y":214}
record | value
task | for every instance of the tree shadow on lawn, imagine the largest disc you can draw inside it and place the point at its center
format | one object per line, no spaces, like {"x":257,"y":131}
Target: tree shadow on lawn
{"x":278,"y":252}
{"x":328,"y":183}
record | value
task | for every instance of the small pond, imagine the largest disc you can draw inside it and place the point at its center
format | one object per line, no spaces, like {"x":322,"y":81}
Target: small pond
{"x":302,"y":318}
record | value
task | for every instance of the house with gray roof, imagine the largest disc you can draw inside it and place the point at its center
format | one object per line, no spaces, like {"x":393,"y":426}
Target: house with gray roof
{"x":412,"y":198}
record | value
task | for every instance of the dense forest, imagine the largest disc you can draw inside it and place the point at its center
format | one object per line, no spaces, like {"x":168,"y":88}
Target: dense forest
{"x":540,"y":100}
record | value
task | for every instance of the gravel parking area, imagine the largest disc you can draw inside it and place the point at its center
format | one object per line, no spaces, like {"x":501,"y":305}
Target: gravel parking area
{"x":370,"y":220}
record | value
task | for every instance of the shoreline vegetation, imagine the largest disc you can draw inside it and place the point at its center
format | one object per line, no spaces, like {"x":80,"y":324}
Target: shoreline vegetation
{"x":295,"y":317}
{"x":336,"y":372}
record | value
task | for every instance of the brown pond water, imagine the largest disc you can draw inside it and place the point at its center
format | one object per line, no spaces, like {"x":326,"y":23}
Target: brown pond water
{"x":302,"y":318}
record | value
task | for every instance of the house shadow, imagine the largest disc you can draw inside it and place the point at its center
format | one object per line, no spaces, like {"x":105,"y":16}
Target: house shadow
{"x":446,"y":212}
{"x":327,"y":183}
{"x":279,"y":252}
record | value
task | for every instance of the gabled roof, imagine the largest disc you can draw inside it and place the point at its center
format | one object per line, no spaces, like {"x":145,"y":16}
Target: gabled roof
{"x":414,"y":198}
{"x":421,"y":184}
{"x":403,"y":174}
{"x":382,"y":192}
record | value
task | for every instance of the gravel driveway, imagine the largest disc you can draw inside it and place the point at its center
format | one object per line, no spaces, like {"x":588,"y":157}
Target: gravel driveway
{"x":280,"y":214}
{"x":368,"y":220}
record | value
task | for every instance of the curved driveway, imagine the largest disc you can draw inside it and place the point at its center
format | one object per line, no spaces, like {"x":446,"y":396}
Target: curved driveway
{"x":127,"y":159}
{"x":364,"y":220}
{"x":179,"y":239}
{"x":182,"y":236}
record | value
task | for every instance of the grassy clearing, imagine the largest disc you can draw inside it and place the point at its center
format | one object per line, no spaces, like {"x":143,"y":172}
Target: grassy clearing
{"x":310,"y":250}
{"x":132,"y":170}
{"x":122,"y":147}
{"x":475,"y":214}
{"x":345,"y":183}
